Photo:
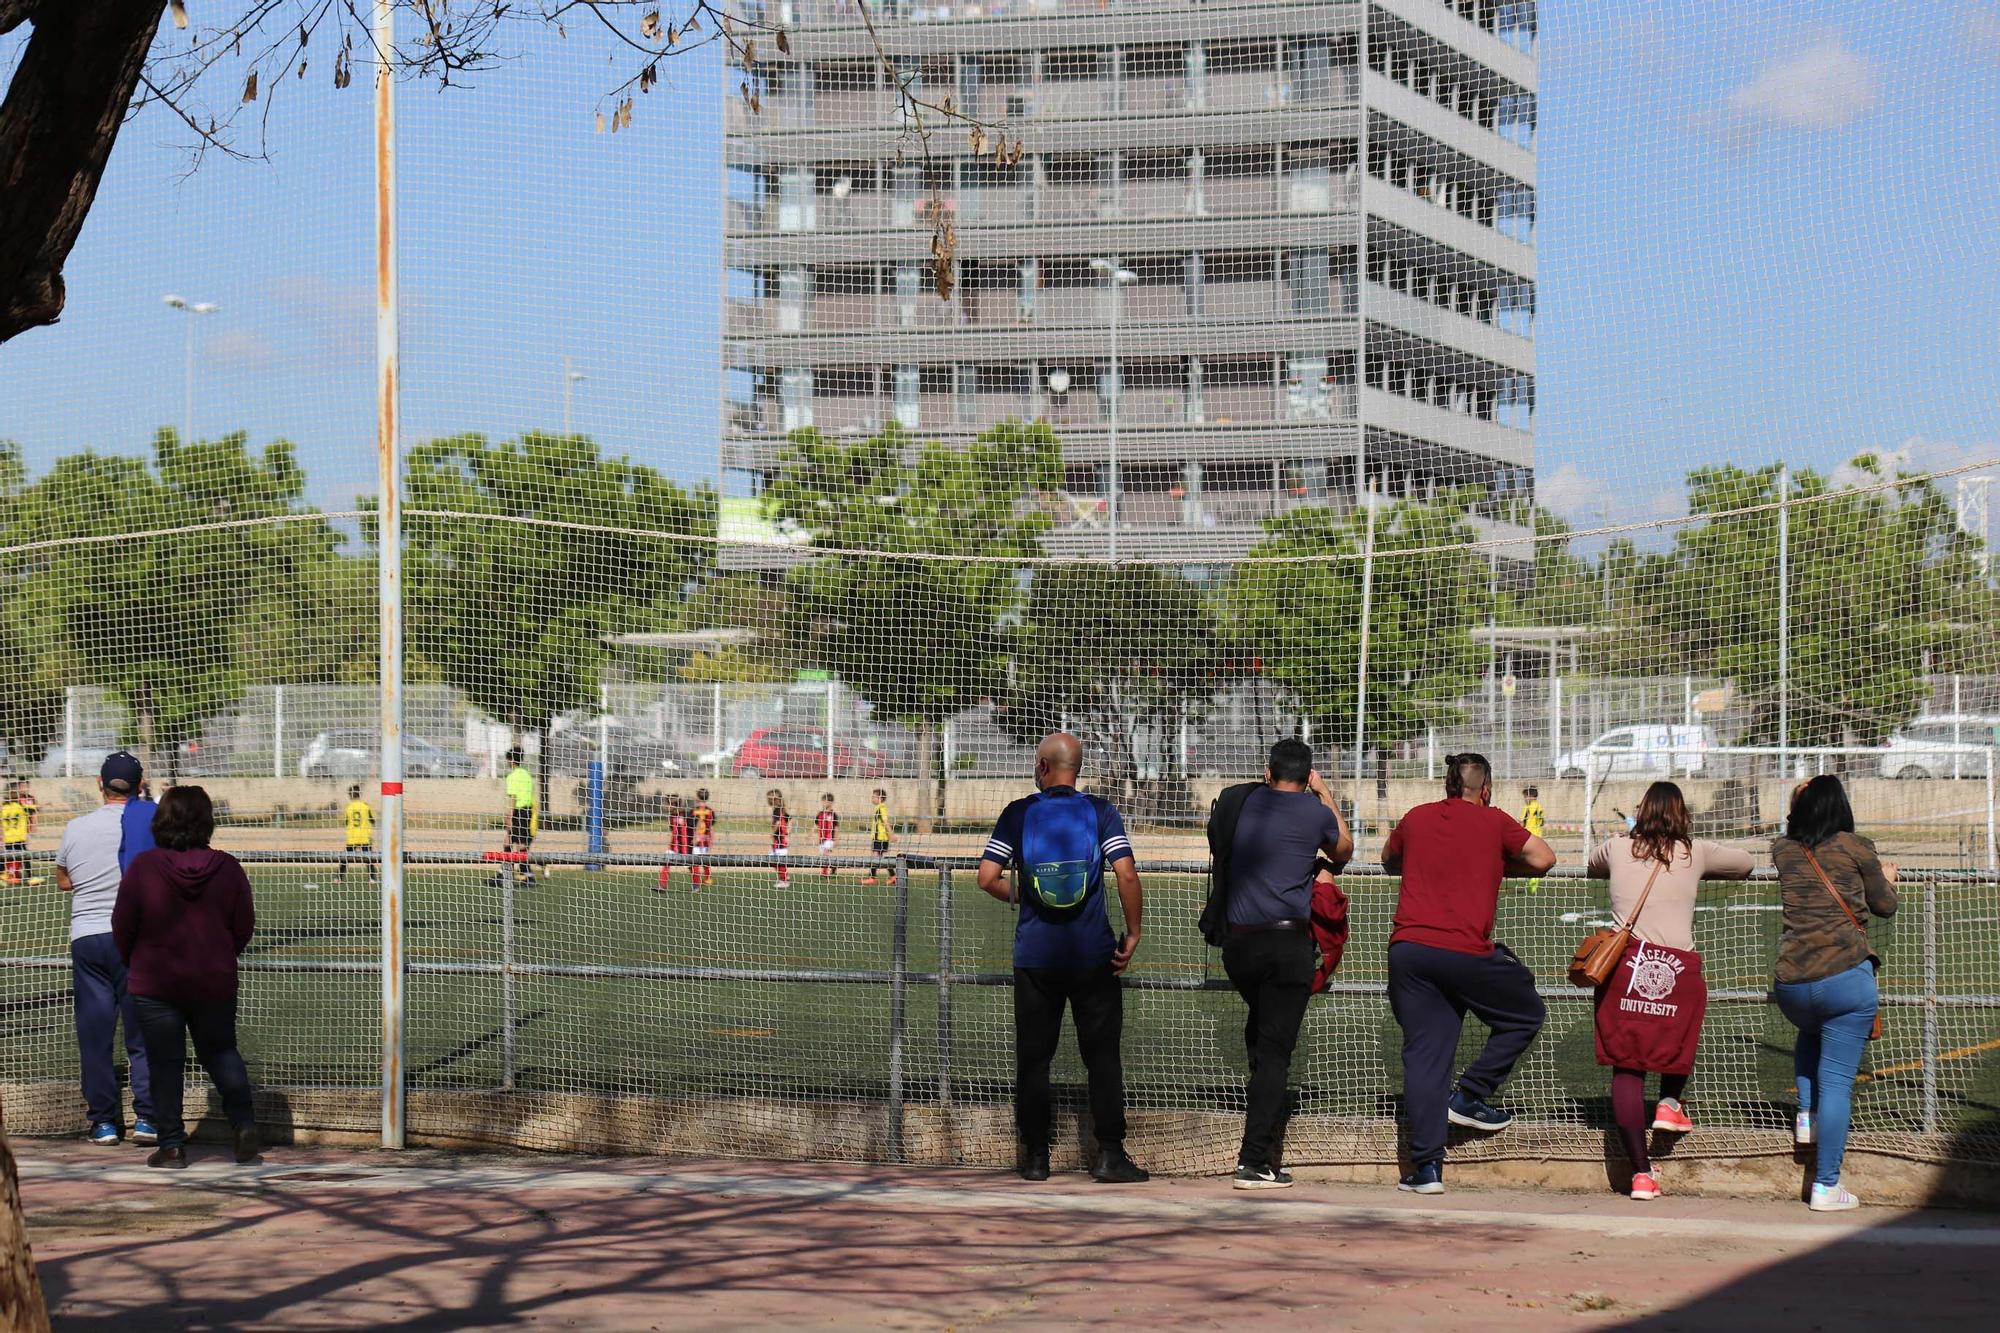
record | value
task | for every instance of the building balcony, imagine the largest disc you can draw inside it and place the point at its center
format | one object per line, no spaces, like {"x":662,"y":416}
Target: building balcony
{"x":1081,"y":408}
{"x":1448,"y":328}
{"x":1451,"y":430}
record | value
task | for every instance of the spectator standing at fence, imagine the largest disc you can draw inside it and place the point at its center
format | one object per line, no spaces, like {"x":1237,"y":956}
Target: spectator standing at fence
{"x":702,"y":819}
{"x":1058,"y":842}
{"x":184,"y":913}
{"x":87,"y":868}
{"x":879,"y":835}
{"x":520,"y":810}
{"x":1452,"y":856}
{"x":1829,"y":880}
{"x":1649,"y":1017}
{"x":1273,"y":834}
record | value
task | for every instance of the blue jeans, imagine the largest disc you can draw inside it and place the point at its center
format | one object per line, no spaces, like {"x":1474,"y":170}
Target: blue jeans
{"x":1833,"y":1016}
{"x":97,"y":975}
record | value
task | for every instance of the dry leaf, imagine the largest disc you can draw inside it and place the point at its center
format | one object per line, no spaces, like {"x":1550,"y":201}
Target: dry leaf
{"x":784,"y":43}
{"x":305,"y":35}
{"x":250,"y":87}
{"x":625,"y":114}
{"x":950,"y":107}
{"x":978,"y":141}
{"x":756,"y":105}
{"x":600,"y":122}
{"x":749,"y":54}
{"x":302,"y":69}
{"x":180,"y":13}
{"x":649,"y":26}
{"x":673,"y":35}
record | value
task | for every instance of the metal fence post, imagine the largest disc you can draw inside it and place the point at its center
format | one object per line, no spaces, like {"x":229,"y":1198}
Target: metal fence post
{"x":507,"y":887}
{"x":899,"y":966}
{"x":944,"y":986}
{"x":1930,"y":1038}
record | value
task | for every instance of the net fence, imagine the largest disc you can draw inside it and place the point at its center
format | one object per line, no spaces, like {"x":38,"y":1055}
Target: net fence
{"x":768,"y":453}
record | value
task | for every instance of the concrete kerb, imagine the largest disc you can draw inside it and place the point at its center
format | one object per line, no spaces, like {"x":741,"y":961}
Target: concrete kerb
{"x":1557,"y":1158}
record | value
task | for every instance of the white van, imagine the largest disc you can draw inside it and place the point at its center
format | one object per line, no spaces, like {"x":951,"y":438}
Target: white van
{"x":1641,"y":751}
{"x":1941,"y":745}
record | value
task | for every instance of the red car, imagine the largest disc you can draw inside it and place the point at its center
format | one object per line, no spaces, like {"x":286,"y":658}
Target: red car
{"x":800,"y":752}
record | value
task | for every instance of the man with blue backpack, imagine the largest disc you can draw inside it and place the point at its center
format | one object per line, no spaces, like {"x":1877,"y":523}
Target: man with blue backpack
{"x":1058,"y":842}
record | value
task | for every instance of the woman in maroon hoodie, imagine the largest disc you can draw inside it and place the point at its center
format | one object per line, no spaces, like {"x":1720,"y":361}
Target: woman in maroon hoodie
{"x":183,"y":914}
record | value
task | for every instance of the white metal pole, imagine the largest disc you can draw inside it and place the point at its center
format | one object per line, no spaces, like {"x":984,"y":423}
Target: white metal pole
{"x":277,"y":731}
{"x":1687,"y":721}
{"x":1118,"y":392}
{"x":389,"y":571}
{"x":831,"y":691}
{"x":569,"y":382}
{"x":187,"y":388}
{"x":715,"y":727}
{"x":603,"y":719}
{"x":1361,"y":666}
{"x":1555,"y":713}
{"x":1957,"y":712}
{"x":1992,"y":857}
{"x":1784,"y":619}
{"x":1589,"y":797}
{"x":69,"y":731}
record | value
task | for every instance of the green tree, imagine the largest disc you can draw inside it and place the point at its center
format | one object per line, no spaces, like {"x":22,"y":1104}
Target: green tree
{"x":1122,"y":656}
{"x":887,"y":608}
{"x":521,"y":557}
{"x":1884,"y":587}
{"x":159,"y":619}
{"x":1294,"y":605}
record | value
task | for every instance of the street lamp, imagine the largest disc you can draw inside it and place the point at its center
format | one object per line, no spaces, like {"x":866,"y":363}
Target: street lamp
{"x":191,"y":308}
{"x":1119,"y":278}
{"x":570,"y":380}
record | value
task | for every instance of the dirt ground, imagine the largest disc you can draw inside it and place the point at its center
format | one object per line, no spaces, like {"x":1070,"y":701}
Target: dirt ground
{"x":322,"y":1239}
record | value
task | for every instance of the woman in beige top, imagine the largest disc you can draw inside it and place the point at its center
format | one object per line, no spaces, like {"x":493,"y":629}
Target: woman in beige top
{"x":1649,"y":1015}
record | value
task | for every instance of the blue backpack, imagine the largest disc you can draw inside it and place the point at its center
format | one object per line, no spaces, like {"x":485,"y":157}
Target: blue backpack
{"x":1061,"y":846}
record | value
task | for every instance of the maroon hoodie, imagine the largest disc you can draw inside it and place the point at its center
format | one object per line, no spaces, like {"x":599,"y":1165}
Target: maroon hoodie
{"x":180,"y":921}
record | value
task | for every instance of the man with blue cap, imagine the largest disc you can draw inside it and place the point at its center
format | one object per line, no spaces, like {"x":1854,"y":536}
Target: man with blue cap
{"x":96,"y":848}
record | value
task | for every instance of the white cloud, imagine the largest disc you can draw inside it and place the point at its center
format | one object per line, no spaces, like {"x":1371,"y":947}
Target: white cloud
{"x":1980,"y":31}
{"x":1585,"y":501}
{"x":238,"y":348}
{"x":1824,"y":87}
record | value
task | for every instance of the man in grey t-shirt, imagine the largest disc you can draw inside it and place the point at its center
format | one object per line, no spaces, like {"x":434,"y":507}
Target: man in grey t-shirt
{"x":1284,"y":828}
{"x":87,"y":868}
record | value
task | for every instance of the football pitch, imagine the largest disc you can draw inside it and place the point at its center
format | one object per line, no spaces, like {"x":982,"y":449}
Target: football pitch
{"x":683,"y":1020}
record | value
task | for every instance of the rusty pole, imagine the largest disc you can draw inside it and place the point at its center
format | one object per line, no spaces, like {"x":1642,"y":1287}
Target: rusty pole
{"x":389,"y":573}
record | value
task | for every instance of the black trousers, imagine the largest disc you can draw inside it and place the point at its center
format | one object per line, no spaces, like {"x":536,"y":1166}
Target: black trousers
{"x":1098,"y":1006}
{"x":1430,"y":990}
{"x":1273,"y":971}
{"x":166,"y":1027}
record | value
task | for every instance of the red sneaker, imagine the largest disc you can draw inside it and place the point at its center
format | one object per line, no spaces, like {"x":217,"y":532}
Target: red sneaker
{"x":1645,"y":1187}
{"x":1670,"y":1118}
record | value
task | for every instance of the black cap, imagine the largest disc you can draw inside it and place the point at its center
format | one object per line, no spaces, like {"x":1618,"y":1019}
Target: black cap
{"x":121,"y":773}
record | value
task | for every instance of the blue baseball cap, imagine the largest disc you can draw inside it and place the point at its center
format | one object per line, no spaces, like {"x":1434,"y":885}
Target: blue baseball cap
{"x":121,"y":772}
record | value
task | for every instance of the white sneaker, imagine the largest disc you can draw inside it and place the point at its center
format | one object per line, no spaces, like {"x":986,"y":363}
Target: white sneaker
{"x":1802,"y":1129}
{"x":1831,"y":1199}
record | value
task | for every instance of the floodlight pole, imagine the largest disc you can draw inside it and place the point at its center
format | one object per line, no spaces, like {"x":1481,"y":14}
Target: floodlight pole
{"x":389,"y":576}
{"x":1784,"y":620}
{"x":1361,"y":671}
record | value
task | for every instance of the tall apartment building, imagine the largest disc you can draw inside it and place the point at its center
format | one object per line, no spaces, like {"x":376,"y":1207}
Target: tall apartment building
{"x":1319,"y":214}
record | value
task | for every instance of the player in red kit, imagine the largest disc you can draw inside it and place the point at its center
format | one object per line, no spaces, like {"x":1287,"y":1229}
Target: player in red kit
{"x":680,"y":841}
{"x":781,"y":835}
{"x":827,"y":824}
{"x":702,"y":820}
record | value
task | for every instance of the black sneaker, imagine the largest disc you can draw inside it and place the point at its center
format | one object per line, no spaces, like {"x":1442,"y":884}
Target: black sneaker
{"x":1428,"y":1178}
{"x":1034,"y":1164}
{"x":247,"y":1146}
{"x":1261,"y":1178}
{"x":173,"y":1158}
{"x":1113,"y":1167}
{"x":1473,"y":1113}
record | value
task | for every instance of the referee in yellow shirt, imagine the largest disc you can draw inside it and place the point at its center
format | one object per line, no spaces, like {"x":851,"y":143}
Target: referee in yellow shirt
{"x":520,"y":810}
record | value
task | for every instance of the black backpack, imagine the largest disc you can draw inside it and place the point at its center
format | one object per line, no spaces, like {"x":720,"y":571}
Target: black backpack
{"x":1222,"y":818}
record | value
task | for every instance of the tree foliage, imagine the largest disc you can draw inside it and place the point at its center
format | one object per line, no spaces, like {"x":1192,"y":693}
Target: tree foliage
{"x":505,"y":601}
{"x":1295,"y":606}
{"x":922,"y":638}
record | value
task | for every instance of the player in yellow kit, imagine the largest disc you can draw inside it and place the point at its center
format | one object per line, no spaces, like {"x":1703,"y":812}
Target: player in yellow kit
{"x":878,"y":837}
{"x":360,"y":820}
{"x":14,"y":824}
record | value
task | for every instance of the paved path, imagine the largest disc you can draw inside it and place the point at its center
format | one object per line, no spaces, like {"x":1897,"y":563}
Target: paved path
{"x":315,"y":1239}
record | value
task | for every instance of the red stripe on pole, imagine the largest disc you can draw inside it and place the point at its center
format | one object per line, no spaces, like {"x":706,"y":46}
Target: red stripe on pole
{"x":392,"y":789}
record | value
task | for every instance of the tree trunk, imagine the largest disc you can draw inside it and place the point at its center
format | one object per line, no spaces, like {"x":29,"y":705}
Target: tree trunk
{"x":21,"y":1306}
{"x":64,"y":107}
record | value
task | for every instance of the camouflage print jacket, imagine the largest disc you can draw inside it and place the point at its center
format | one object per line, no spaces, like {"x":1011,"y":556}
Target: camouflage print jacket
{"x":1819,"y":941}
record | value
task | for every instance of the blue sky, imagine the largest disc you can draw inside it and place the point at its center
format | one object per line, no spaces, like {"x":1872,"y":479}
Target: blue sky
{"x":1764,"y":231}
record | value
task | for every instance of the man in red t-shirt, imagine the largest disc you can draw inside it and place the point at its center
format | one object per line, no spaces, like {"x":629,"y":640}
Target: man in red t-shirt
{"x":1452,"y":855}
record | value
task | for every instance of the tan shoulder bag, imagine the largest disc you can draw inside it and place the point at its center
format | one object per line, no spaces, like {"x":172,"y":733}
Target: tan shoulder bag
{"x":1875,"y":1032}
{"x":1597,"y":957}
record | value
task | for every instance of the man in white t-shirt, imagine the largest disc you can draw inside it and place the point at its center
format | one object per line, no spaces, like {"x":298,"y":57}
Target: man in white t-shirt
{"x":87,"y":868}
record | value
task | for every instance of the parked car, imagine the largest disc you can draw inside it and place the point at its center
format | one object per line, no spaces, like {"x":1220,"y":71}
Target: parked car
{"x":1942,"y":745}
{"x":572,"y":748}
{"x":1640,"y":751}
{"x":354,"y":754}
{"x":85,"y":761}
{"x":800,"y":752}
